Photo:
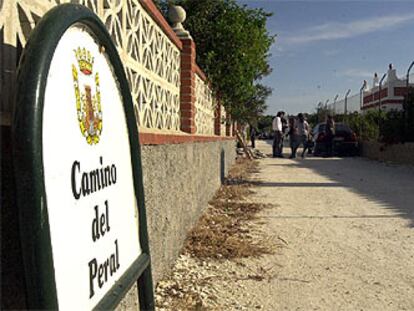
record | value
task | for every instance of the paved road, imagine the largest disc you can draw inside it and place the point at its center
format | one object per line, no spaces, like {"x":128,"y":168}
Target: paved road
{"x":348,"y":225}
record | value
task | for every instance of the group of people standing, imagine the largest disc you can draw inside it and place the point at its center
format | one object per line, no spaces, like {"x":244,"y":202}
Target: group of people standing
{"x":298,"y":131}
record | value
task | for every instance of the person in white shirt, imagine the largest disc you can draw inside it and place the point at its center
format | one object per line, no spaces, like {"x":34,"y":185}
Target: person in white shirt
{"x":278,"y":139}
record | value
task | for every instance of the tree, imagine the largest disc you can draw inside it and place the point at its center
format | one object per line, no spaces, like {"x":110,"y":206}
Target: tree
{"x":232,"y":49}
{"x":255,"y":105}
{"x":321,"y":112}
{"x":264,"y":123}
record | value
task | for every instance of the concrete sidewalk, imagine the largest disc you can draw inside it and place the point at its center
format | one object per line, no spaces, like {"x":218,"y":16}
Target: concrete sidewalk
{"x":348,"y":226}
{"x":343,"y":231}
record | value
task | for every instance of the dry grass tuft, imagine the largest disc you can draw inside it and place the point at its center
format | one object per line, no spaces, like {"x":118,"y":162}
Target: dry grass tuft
{"x":241,"y":170}
{"x":223,"y":231}
{"x":234,"y":192}
{"x":236,"y":185}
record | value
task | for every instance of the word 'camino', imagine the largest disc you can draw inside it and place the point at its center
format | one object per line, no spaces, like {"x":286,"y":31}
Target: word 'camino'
{"x":85,"y":183}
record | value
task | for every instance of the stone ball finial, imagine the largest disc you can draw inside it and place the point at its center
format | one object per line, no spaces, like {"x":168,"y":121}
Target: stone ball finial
{"x":176,"y":16}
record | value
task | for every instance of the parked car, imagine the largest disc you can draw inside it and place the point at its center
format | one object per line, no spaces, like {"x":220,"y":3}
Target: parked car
{"x":263,"y":136}
{"x":345,"y":141}
{"x":266,"y":135}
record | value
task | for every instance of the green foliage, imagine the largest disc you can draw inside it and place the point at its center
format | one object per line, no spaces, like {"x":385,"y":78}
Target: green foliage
{"x":264,"y":123}
{"x":320,"y":115}
{"x":389,"y":127}
{"x":312,"y":119}
{"x":255,"y":105}
{"x":408,"y":122}
{"x":232,"y":49}
{"x":364,"y":125}
{"x":162,"y":5}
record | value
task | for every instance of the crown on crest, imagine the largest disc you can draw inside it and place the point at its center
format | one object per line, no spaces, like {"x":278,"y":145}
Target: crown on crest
{"x":85,"y":60}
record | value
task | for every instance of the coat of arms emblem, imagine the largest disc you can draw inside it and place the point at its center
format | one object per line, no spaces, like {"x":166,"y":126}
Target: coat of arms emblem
{"x":88,"y":96}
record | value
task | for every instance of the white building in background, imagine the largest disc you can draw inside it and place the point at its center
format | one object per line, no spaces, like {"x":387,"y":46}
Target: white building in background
{"x":391,"y":96}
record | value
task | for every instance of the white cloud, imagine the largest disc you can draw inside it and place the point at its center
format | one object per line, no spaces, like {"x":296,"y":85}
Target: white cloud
{"x":331,"y":52}
{"x":277,"y":50}
{"x":356,"y":73}
{"x":334,"y":30}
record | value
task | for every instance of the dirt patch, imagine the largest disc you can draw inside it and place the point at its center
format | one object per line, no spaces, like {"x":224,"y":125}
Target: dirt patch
{"x":224,"y":230}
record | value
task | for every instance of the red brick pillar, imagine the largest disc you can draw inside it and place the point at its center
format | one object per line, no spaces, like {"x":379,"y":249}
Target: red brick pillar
{"x":187,"y":91}
{"x":217,"y":119}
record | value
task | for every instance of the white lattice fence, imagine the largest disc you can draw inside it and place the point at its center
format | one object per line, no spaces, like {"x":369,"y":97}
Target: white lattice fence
{"x":204,"y":116}
{"x":151,"y":59}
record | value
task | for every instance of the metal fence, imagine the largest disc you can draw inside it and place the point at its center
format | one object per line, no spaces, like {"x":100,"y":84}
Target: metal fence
{"x":351,"y":104}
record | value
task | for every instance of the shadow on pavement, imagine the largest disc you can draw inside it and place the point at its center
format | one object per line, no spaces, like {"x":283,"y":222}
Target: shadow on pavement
{"x":390,"y":185}
{"x":296,"y":184}
{"x":284,"y":165}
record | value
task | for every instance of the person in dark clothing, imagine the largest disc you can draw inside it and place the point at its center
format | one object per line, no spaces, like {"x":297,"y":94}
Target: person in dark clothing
{"x":253,"y":136}
{"x":285,"y":128}
{"x":293,"y":133}
{"x":308,"y":146}
{"x":330,"y":134}
{"x":302,"y":134}
{"x":285,"y":124}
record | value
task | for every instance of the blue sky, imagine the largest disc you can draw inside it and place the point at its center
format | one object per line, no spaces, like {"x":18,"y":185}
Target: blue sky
{"x":324,"y":48}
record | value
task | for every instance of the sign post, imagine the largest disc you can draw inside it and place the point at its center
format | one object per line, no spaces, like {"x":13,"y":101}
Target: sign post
{"x":78,"y":168}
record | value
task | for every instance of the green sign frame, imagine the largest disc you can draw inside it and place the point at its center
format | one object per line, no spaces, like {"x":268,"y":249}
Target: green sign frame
{"x":27,"y":140}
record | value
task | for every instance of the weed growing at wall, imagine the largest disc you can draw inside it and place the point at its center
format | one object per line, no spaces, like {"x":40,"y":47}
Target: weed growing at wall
{"x":224,"y":232}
